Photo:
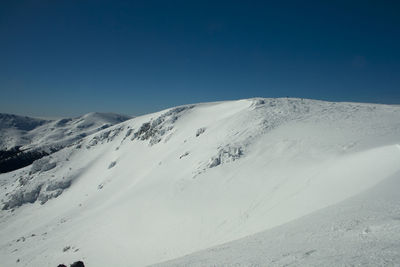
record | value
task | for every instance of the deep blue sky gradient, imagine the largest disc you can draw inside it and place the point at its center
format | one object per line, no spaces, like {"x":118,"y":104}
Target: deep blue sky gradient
{"x":65,"y":58}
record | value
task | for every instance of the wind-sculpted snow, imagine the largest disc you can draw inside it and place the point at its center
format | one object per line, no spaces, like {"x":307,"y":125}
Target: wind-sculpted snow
{"x":105,"y":136}
{"x":154,"y":130}
{"x":37,"y":183}
{"x":36,"y":188}
{"x":42,"y":165}
{"x":167,"y":184}
{"x":225,"y":154}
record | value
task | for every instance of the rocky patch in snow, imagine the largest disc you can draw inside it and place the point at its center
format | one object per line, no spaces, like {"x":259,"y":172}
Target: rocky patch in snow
{"x":200,"y":131}
{"x":184,"y":155}
{"x":105,"y":137}
{"x":33,"y":190}
{"x":42,"y":165}
{"x":225,"y":154}
{"x":39,"y":184}
{"x":27,"y":194}
{"x":157,"y":128}
{"x":112,"y":164}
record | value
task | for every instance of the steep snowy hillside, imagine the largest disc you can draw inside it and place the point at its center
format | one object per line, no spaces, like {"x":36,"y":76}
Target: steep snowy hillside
{"x":167,"y":184}
{"x":24,"y":139}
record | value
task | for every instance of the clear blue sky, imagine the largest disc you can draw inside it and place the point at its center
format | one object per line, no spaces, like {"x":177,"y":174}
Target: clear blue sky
{"x":65,"y":57}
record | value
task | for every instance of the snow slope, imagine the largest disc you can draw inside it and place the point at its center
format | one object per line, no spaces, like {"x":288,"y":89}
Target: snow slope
{"x":361,"y":231}
{"x":167,"y":184}
{"x":33,"y":133}
{"x":24,"y":139}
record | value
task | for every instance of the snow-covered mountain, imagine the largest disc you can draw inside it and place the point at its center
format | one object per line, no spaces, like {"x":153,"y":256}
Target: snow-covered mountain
{"x":24,"y":139}
{"x":13,"y":129}
{"x":163,"y":185}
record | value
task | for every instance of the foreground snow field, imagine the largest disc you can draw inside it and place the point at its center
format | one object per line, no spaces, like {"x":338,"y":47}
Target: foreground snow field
{"x":167,"y":184}
{"x":360,"y":231}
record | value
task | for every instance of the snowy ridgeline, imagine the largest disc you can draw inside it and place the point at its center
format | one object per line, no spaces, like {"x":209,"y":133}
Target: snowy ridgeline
{"x":29,"y":132}
{"x":24,"y":139}
{"x":192,"y":177}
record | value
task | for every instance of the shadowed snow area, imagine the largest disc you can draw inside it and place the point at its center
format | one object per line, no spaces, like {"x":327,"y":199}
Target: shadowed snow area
{"x":167,"y":184}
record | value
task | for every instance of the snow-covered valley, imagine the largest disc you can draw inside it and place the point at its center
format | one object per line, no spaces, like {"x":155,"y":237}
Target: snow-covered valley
{"x":295,"y":174}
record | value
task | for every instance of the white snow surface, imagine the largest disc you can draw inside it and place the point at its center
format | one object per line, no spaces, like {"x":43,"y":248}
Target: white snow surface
{"x":33,"y":133}
{"x":164,"y":185}
{"x":361,"y":231}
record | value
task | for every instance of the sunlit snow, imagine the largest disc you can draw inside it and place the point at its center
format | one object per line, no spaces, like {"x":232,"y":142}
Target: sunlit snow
{"x":164,"y":185}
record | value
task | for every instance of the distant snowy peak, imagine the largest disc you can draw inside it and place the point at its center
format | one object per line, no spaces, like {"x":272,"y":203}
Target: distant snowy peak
{"x":22,"y":130}
{"x":95,"y":119}
{"x":22,"y":123}
{"x":110,"y":117}
{"x":20,"y":135}
{"x":81,"y":126}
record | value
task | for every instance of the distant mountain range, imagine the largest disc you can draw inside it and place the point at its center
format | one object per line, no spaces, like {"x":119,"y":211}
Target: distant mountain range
{"x":25,"y":139}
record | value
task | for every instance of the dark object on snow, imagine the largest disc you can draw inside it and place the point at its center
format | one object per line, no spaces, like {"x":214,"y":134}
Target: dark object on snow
{"x":61,"y":265}
{"x":78,"y":264}
{"x":15,"y":158}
